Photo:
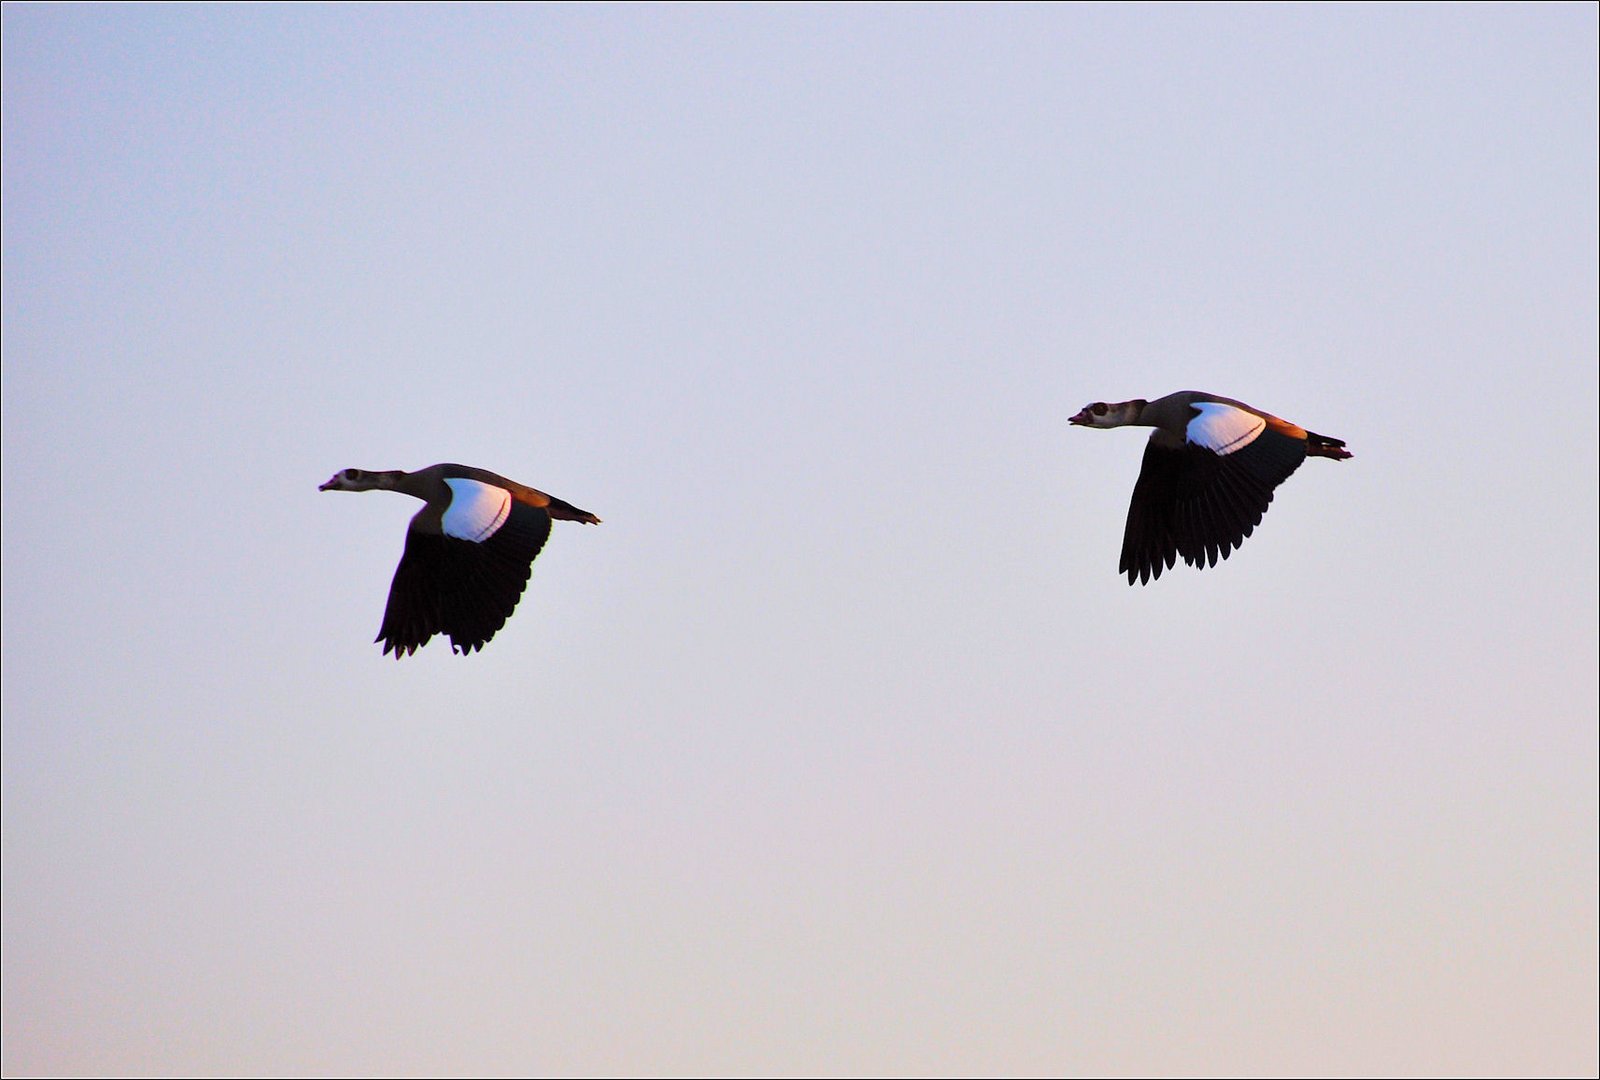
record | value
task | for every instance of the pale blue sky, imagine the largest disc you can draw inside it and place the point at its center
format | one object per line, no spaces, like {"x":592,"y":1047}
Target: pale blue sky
{"x":841,"y":746}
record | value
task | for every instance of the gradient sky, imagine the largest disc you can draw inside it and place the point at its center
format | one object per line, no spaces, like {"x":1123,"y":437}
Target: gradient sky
{"x":841,"y":747}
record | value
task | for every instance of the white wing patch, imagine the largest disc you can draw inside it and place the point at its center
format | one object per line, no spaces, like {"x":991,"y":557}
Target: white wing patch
{"x":476,"y":509}
{"x":1222,"y":429}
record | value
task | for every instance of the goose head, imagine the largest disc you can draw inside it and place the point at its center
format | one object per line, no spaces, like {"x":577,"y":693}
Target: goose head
{"x":1103,"y":415}
{"x":356,"y":480}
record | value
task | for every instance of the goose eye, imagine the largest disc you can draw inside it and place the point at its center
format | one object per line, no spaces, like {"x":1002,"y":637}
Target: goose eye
{"x":1098,"y":408}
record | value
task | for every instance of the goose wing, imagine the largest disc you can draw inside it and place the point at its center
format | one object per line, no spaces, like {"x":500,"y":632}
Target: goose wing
{"x":1199,"y":497}
{"x":465,"y":586}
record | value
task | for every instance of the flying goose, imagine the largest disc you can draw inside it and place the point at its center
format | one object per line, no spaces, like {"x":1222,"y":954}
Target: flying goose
{"x":469,"y":552}
{"x":1208,"y":474}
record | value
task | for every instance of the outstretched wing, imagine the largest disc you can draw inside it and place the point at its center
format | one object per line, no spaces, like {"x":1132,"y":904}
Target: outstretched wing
{"x":1202,"y":497}
{"x":466,"y":588}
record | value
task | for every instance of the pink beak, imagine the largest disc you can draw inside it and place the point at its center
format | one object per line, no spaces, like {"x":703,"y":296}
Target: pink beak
{"x":1081,"y":418}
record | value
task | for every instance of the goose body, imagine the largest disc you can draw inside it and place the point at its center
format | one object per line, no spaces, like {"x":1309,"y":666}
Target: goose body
{"x":1209,"y":471}
{"x":468,"y":553}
